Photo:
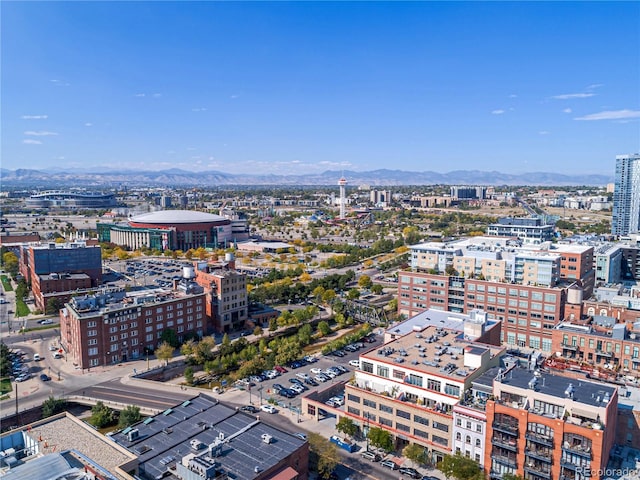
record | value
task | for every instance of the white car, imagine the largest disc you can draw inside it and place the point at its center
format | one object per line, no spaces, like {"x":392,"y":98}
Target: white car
{"x":269,"y":409}
{"x":330,"y":373}
{"x":297,"y":388}
{"x":304,"y":376}
{"x":316,"y":370}
{"x":354,"y":363}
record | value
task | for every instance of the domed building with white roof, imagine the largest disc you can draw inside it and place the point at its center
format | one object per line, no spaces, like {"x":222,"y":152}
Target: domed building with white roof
{"x":169,"y":230}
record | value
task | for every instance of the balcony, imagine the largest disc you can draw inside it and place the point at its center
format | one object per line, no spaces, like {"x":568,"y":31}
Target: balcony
{"x":578,"y":450}
{"x":505,"y":428}
{"x":602,"y":353}
{"x":540,"y":454}
{"x":538,"y":471}
{"x":506,"y":443}
{"x":541,"y":439}
{"x":507,"y":461}
{"x":568,"y":346}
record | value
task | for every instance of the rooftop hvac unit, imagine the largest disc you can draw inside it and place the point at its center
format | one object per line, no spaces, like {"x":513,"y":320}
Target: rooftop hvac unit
{"x":266,"y":438}
{"x":133,"y":434}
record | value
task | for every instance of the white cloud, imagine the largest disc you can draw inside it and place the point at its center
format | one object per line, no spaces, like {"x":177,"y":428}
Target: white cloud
{"x":513,"y":95}
{"x":88,"y":124}
{"x":141,"y":95}
{"x":29,"y":141}
{"x":594,"y":86}
{"x":566,"y":110}
{"x":157,"y":95}
{"x":543,"y":132}
{"x":199,"y":109}
{"x":40,"y":133}
{"x":34,"y":117}
{"x":569,"y":96}
{"x":59,"y":83}
{"x":234,"y":96}
{"x":497,"y":112}
{"x":611,"y":115}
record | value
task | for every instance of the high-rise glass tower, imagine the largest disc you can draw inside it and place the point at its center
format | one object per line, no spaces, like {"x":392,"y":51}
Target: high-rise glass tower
{"x":626,"y":195}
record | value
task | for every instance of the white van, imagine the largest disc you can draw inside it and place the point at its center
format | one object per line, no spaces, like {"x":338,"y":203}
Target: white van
{"x":57,"y":355}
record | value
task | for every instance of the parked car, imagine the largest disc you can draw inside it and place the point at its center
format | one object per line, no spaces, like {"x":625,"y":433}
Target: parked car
{"x":316,"y":370}
{"x":389,"y":464}
{"x":44,"y":377}
{"x":23,"y":377}
{"x":280,"y":369}
{"x":46,"y":321}
{"x":354,"y":363}
{"x":269,"y":409}
{"x":411,"y":472}
{"x":300,"y":435}
{"x":311,"y":381}
{"x":249,"y":409}
{"x":36,"y":357}
{"x":369,"y":455}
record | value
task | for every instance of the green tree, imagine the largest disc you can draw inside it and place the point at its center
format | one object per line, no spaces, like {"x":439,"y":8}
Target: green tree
{"x":416,"y":453}
{"x":257,"y":331}
{"x":459,"y":467}
{"x":188,"y":375}
{"x":324,"y":328}
{"x":164,"y":352}
{"x":53,"y":305}
{"x":353,"y":294}
{"x":347,"y":426}
{"x":380,"y":438}
{"x":101,"y":415}
{"x":170,"y":336}
{"x":52,"y":406}
{"x":323,"y":455}
{"x":10,"y":263}
{"x":377,"y":289}
{"x":365,"y":281}
{"x":129,"y":416}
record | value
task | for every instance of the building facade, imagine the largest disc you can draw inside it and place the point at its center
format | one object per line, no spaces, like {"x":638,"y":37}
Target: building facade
{"x":116,"y":326}
{"x":411,"y":386}
{"x":626,"y":195}
{"x":227,"y":298}
{"x":60,"y":268}
{"x":530,"y":230}
{"x":547,"y":427}
{"x":169,"y":230}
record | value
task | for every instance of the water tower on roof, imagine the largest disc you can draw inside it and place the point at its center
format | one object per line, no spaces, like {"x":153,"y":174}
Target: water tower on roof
{"x":343,"y":199}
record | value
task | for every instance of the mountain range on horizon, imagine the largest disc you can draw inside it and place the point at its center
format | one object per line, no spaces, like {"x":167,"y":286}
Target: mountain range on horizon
{"x":48,"y":178}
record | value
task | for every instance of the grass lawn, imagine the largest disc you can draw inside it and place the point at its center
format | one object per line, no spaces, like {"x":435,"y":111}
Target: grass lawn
{"x":5,"y":386}
{"x":22,"y":310}
{"x":6,"y":283}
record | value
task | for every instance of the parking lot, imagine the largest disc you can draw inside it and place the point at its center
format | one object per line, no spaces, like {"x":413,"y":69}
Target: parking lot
{"x":315,"y":376}
{"x":153,"y":272}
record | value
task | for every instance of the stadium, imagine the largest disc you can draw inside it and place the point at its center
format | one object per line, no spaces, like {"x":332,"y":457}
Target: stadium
{"x":169,"y":230}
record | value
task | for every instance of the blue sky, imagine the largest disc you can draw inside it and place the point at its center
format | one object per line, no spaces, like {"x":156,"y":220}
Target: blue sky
{"x":279,"y":87}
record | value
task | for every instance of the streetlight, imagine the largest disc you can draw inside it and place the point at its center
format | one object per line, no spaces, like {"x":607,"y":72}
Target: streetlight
{"x":366,"y":435}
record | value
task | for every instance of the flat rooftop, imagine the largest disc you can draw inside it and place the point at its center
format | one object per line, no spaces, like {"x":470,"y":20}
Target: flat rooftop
{"x":434,"y":350}
{"x":585,"y":392}
{"x":163,"y":440}
{"x":436,"y":318}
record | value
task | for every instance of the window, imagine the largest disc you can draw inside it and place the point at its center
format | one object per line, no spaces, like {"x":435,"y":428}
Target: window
{"x":403,"y":414}
{"x":402,"y":427}
{"x":385,"y":421}
{"x":421,"y":420}
{"x":383,"y":371}
{"x":440,"y":426}
{"x":93,"y":351}
{"x":415,"y":380}
{"x":354,"y":398}
{"x":453,"y":390}
{"x":369,"y":403}
{"x":477,"y":442}
{"x":434,"y":385}
{"x":420,"y":433}
{"x":386,"y":409}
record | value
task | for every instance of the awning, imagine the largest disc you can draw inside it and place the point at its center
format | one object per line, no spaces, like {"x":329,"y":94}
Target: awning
{"x":584,"y":413}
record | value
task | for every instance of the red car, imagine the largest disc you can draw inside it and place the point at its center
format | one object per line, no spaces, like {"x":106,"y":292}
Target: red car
{"x":280,"y":369}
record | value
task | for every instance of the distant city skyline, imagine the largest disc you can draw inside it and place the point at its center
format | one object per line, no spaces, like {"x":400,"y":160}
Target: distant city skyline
{"x":304,"y":87}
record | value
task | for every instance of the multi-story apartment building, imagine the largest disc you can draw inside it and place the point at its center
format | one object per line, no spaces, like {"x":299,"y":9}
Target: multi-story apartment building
{"x":600,"y":345}
{"x":60,"y":267}
{"x":529,"y":230}
{"x":626,"y":195}
{"x":226,"y":289}
{"x":528,"y":313}
{"x":528,"y":289}
{"x":608,"y":263}
{"x":116,"y":326}
{"x":410,"y":386}
{"x":545,"y":427}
